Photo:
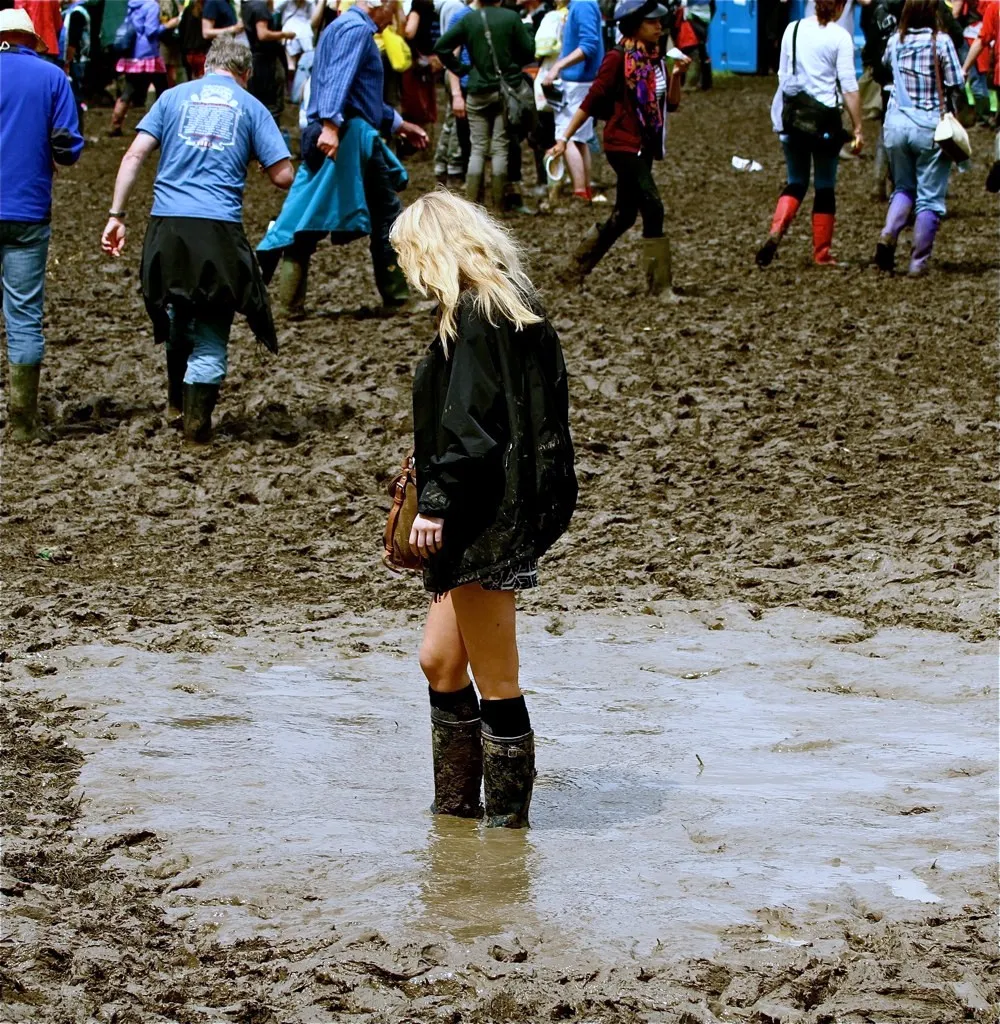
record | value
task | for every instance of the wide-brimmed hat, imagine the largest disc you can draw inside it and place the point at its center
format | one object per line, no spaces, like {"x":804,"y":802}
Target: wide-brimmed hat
{"x":17,"y":20}
{"x":649,"y":10}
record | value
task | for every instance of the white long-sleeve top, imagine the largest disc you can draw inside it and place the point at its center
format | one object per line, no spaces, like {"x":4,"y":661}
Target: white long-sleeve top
{"x":824,"y":57}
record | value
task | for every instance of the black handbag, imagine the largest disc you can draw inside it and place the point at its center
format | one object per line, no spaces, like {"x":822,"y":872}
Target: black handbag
{"x":804,"y":116}
{"x":519,"y":112}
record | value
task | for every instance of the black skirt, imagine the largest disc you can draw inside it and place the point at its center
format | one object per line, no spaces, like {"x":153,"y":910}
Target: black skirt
{"x":193,"y":264}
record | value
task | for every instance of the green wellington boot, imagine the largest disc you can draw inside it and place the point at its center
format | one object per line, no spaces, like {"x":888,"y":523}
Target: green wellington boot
{"x":509,"y":778}
{"x":22,"y":402}
{"x":293,"y":279}
{"x":199,"y":401}
{"x":177,"y":360}
{"x":498,"y":192}
{"x":458,"y":764}
{"x":474,"y":188}
{"x":658,"y":267}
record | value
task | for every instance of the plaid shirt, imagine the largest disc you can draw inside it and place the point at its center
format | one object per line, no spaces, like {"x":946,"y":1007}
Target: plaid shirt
{"x":916,"y":67}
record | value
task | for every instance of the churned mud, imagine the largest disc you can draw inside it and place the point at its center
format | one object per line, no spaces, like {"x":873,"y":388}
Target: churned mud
{"x":761,"y":664}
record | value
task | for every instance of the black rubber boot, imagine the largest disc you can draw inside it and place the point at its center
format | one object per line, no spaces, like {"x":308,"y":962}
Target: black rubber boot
{"x":588,"y":254}
{"x":199,"y":401}
{"x":392,"y":286}
{"x":885,"y":257}
{"x":22,"y":402}
{"x":456,"y":741}
{"x":509,"y":778}
{"x":177,"y":360}
{"x":658,"y":267}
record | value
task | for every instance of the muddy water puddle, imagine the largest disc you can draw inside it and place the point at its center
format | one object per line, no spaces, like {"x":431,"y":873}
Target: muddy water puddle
{"x":689,"y":776}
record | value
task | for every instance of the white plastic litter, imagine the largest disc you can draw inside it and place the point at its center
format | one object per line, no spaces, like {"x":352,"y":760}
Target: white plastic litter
{"x":674,"y":54}
{"x":742,"y":164}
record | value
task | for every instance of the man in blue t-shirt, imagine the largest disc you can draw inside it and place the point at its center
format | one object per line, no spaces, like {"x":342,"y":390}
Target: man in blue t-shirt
{"x":197,"y":266}
{"x":38,"y":128}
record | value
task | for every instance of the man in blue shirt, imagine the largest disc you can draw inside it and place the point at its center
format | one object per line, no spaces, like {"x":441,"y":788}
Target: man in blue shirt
{"x":38,"y":126}
{"x":578,"y":64}
{"x":347,"y":82}
{"x":198,"y":270}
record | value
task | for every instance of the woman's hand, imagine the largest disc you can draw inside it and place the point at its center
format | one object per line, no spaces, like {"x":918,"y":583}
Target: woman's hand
{"x":681,"y":64}
{"x":557,"y":150}
{"x":425,"y":537}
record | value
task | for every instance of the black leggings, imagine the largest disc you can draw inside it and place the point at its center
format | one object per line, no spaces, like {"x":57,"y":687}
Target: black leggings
{"x":636,"y":194}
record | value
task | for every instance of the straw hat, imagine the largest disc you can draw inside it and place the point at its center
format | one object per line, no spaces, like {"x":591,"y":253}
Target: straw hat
{"x":18,"y":20}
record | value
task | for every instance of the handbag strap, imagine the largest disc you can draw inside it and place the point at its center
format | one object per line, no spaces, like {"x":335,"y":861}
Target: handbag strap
{"x":937,"y":73}
{"x":795,"y":48}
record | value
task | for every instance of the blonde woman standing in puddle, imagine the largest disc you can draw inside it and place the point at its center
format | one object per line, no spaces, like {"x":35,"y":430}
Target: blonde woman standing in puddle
{"x":495,"y":486}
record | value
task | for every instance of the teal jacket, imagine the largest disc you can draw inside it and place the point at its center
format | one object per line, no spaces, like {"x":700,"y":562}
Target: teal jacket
{"x":332,"y":199}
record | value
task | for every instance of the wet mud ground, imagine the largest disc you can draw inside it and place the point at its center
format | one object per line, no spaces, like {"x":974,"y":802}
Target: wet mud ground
{"x":823,"y":442}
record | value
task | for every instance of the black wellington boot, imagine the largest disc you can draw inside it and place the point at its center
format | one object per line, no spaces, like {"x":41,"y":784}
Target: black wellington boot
{"x":509,"y":778}
{"x":177,"y":360}
{"x":456,"y":741}
{"x":199,"y":401}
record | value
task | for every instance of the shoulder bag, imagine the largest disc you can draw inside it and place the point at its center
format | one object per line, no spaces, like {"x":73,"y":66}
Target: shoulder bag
{"x":123,"y":44}
{"x":803,"y":115}
{"x":398,"y":555}
{"x":519,"y":112}
{"x":949,"y":135}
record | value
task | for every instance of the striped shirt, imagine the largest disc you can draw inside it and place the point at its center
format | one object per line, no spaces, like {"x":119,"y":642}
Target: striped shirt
{"x":347,"y":74}
{"x":913,"y":58}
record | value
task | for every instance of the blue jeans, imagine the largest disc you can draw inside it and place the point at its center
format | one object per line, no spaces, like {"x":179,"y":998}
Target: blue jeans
{"x":206,"y":339}
{"x":919,"y":168}
{"x":24,"y":249}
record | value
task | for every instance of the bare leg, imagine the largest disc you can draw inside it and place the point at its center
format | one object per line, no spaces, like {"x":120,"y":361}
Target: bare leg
{"x":577,"y":167}
{"x":486,"y":619}
{"x":443,"y":657}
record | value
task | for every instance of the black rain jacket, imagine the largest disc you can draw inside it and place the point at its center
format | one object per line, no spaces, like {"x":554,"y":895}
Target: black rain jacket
{"x":494,"y":457}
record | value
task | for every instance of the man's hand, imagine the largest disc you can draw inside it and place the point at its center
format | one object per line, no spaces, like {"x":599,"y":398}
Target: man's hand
{"x":458,"y":105}
{"x":550,"y":76}
{"x":329,"y":141}
{"x":414,"y":135}
{"x":859,"y":141}
{"x":288,"y":36}
{"x":113,"y":239}
{"x":426,"y":534}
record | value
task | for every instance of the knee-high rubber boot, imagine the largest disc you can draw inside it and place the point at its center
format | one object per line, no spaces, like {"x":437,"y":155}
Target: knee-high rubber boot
{"x":508,"y":778}
{"x":199,"y":402}
{"x":897,"y":217}
{"x":177,"y":360}
{"x":457,"y":745}
{"x":498,"y":192}
{"x":474,"y":188}
{"x":823,"y":225}
{"x":22,"y":402}
{"x":983,"y":110}
{"x":596,"y":242}
{"x":657,"y":266}
{"x":784,"y":214}
{"x":925,"y":230}
{"x":293,"y":279}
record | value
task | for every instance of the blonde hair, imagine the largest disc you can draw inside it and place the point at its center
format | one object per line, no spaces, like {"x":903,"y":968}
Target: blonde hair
{"x":447,"y":245}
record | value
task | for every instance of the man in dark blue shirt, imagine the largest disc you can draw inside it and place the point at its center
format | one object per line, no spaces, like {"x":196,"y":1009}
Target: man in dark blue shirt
{"x":38,"y":126}
{"x":347,"y":82}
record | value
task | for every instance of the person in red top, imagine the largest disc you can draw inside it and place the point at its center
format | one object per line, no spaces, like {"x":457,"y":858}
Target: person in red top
{"x":633,"y":92}
{"x":46,"y":16}
{"x":989,"y":36}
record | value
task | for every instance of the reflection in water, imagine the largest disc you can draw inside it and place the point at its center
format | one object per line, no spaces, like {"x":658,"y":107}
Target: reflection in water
{"x":475,"y":881}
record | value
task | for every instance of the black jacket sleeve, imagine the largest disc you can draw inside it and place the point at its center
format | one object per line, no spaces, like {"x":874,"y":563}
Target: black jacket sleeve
{"x":468,"y":464}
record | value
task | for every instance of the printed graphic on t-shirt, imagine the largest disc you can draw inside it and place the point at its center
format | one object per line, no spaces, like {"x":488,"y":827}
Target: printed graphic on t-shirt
{"x":210,"y":117}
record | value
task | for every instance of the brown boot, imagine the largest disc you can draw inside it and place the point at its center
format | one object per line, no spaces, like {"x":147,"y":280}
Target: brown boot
{"x":199,"y":401}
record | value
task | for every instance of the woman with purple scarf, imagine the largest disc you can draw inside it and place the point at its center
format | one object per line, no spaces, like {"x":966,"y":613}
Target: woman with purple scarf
{"x":633,"y":93}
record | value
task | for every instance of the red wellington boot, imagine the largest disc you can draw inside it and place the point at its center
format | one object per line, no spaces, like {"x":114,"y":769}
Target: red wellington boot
{"x":784,"y":213}
{"x":823,"y":224}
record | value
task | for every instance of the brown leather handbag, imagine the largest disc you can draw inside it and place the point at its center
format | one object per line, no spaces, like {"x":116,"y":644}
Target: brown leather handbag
{"x":398,"y":555}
